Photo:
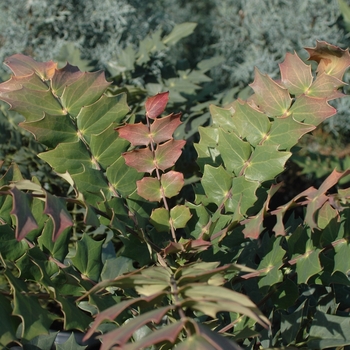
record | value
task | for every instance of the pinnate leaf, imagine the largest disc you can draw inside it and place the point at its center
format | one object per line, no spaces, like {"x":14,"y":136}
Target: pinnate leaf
{"x":272,"y":98}
{"x":296,"y":75}
{"x":155,"y":105}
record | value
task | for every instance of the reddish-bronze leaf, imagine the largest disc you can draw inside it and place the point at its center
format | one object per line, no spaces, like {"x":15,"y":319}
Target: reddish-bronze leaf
{"x":162,"y":129}
{"x":25,"y":65}
{"x":140,"y":159}
{"x":172,"y":182}
{"x":168,"y":153}
{"x":271,"y":98}
{"x":137,"y":134}
{"x":21,"y":210}
{"x":325,"y":86}
{"x":56,"y":209}
{"x":296,"y":75}
{"x":155,"y":105}
{"x":331,"y":59}
{"x":64,"y":77}
{"x":150,"y":189}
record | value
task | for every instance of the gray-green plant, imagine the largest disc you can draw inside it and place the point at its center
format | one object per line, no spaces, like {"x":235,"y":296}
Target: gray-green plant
{"x":127,"y":255}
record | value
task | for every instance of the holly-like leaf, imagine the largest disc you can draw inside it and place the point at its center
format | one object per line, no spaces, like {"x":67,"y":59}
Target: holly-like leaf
{"x":265,"y":163}
{"x":21,"y":210}
{"x":137,"y":134}
{"x":234,"y":151}
{"x":87,"y":89}
{"x":162,"y":129}
{"x":70,"y":344}
{"x":271,"y":98}
{"x":217,"y":183}
{"x":140,"y":159}
{"x":160,"y":219}
{"x":25,"y":65}
{"x":150,"y":189}
{"x":222,"y":117}
{"x":250,"y":124}
{"x":168,"y":153}
{"x":51,"y":130}
{"x":286,"y":131}
{"x":325,"y":86}
{"x":88,"y":257}
{"x":331,"y":59}
{"x":31,"y":82}
{"x":296,"y":75}
{"x":64,"y":77}
{"x":179,"y":216}
{"x":155,"y":105}
{"x":172,"y":182}
{"x":56,"y":209}
{"x":96,"y":117}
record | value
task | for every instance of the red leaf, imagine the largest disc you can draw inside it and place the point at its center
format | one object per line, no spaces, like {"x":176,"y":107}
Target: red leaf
{"x":162,"y":129}
{"x":168,"y":153}
{"x":137,"y":134}
{"x":21,"y":210}
{"x":25,"y":65}
{"x":155,"y":105}
{"x":55,"y":208}
{"x":140,"y":159}
{"x":332,"y":60}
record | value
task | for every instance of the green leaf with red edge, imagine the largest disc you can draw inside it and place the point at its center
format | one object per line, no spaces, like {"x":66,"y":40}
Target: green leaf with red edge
{"x":56,"y":209}
{"x":32,"y":104}
{"x":168,"y":153}
{"x":331,"y":59}
{"x":122,"y":334}
{"x":250,"y":124}
{"x":150,"y":189}
{"x":160,"y":219}
{"x":155,"y":105}
{"x":296,"y":75}
{"x":137,"y":134}
{"x":64,"y":77}
{"x":325,"y":86}
{"x":271,"y":98}
{"x":140,"y":159}
{"x":51,"y":130}
{"x":87,"y":89}
{"x":179,"y":216}
{"x":162,"y":129}
{"x":311,"y":110}
{"x":286,"y":131}
{"x":25,"y":65}
{"x":32,"y":82}
{"x":172,"y":182}
{"x":21,"y":210}
{"x":96,"y":117}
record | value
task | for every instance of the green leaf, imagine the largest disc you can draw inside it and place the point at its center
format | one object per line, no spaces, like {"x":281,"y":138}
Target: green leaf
{"x":72,"y":157}
{"x":85,"y":90}
{"x":8,"y":322}
{"x":222,"y":117}
{"x":179,"y":216}
{"x":10,"y":248}
{"x":265,"y":163}
{"x":96,"y":117}
{"x":150,"y":189}
{"x":70,"y":344}
{"x":88,"y":257}
{"x":273,"y":99}
{"x":250,"y":124}
{"x":296,"y":75}
{"x":234,"y":151}
{"x":160,"y":219}
{"x":179,"y":31}
{"x":172,"y":182}
{"x":51,"y":130}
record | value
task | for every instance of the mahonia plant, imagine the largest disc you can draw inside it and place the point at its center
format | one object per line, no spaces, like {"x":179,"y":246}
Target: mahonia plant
{"x":125,"y":261}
